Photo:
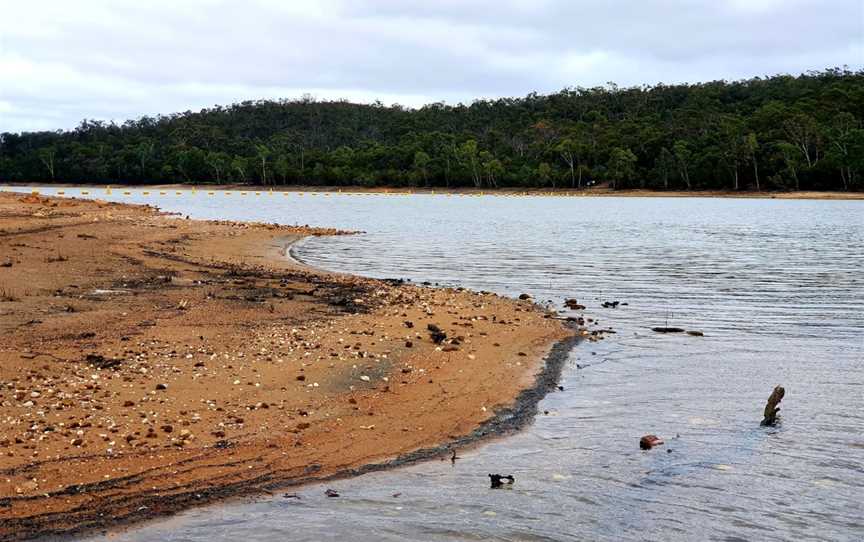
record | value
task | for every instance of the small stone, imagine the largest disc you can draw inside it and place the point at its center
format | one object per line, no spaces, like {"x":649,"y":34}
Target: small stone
{"x":649,"y":441}
{"x":161,"y":386}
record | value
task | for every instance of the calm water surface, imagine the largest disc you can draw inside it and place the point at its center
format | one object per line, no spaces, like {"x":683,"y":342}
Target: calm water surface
{"x":776,"y":286}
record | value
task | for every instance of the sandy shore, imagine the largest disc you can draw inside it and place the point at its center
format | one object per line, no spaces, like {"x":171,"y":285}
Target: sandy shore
{"x":589,"y":192}
{"x":150,"y":363}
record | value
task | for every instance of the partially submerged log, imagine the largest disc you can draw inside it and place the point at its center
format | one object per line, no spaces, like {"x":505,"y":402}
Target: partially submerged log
{"x":771,"y":408}
{"x":667,"y":330}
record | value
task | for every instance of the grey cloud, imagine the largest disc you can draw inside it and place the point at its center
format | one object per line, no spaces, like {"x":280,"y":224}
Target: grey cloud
{"x":101,"y":59}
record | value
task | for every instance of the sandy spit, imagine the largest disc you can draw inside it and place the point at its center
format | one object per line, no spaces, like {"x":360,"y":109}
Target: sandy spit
{"x":150,"y":363}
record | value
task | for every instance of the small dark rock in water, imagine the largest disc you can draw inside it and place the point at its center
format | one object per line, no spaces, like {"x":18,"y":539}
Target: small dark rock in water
{"x":771,"y":408}
{"x":331,"y":493}
{"x":649,"y":441}
{"x":667,"y":329}
{"x":611,"y":304}
{"x":695,"y":333}
{"x":498,"y":480}
{"x":560,"y":388}
{"x":523,"y":297}
{"x":573,"y":304}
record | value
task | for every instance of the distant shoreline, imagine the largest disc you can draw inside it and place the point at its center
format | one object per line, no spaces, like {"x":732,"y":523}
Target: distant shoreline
{"x":507,"y":191}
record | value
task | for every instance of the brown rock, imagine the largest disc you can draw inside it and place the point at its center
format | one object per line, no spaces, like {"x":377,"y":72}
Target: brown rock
{"x":649,"y":441}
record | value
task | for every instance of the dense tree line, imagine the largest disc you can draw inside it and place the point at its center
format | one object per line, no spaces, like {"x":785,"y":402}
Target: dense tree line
{"x":777,"y":133}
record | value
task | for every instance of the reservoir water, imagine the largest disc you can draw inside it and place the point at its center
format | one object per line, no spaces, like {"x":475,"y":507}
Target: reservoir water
{"x":777,"y":287}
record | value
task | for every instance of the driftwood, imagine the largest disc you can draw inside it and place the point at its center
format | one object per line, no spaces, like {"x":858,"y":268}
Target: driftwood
{"x":771,"y":408}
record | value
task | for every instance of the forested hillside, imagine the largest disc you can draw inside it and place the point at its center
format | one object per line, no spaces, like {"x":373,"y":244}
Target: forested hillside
{"x":778,"y":133}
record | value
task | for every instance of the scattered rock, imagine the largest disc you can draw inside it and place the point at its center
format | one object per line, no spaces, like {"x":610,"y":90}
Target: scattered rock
{"x":573,"y":304}
{"x":101,"y":362}
{"x":524,"y":297}
{"x":611,"y":304}
{"x":498,"y":480}
{"x":695,"y":333}
{"x":436,"y":334}
{"x":161,"y":386}
{"x":331,"y":493}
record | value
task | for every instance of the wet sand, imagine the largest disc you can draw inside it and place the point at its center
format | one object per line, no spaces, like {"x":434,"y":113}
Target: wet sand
{"x":150,"y":363}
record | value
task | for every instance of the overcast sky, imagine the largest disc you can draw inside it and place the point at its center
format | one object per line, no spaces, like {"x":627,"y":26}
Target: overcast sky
{"x":61,"y":61}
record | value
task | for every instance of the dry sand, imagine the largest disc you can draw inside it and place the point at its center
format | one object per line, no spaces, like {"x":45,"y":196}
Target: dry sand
{"x":150,"y":363}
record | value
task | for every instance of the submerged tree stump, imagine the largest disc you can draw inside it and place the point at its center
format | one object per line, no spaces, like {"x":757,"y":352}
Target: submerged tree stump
{"x":771,"y":409}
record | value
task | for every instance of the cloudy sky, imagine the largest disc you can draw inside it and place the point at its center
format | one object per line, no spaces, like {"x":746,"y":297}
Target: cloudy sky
{"x":61,"y":61}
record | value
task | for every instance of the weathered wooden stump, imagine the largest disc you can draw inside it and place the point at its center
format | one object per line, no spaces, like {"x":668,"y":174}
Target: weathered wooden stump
{"x":771,"y":408}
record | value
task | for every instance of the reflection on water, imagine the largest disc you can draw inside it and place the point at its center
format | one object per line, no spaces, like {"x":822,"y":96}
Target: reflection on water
{"x":777,"y":287}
